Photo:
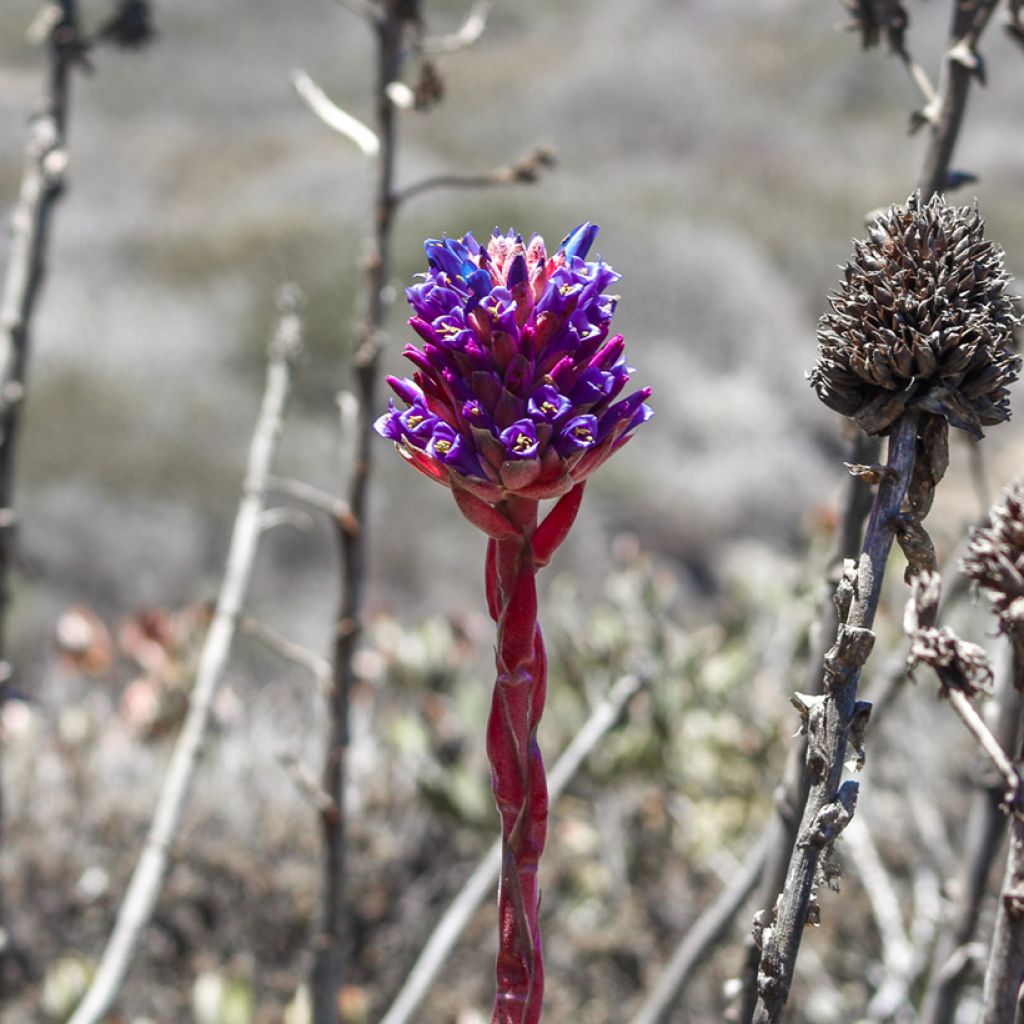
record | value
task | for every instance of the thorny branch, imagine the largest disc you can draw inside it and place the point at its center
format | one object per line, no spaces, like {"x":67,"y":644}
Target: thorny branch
{"x":934,"y":173}
{"x":151,"y":869}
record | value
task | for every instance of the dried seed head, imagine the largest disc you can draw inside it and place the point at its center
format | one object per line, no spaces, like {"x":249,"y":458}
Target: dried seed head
{"x":921,"y":319}
{"x":995,"y":560}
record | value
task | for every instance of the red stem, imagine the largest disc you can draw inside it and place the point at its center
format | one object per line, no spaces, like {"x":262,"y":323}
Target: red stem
{"x":517,"y":769}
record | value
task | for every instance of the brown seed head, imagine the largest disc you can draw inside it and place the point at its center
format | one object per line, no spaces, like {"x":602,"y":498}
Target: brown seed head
{"x":922,"y":319}
{"x":995,"y":560}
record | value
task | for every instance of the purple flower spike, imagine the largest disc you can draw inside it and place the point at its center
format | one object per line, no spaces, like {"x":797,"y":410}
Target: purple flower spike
{"x":513,"y":401}
{"x":516,"y":354}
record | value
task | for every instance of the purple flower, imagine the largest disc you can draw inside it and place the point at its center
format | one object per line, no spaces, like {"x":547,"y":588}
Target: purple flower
{"x":547,"y":403}
{"x":520,"y":440}
{"x":517,"y":378}
{"x":579,"y":434}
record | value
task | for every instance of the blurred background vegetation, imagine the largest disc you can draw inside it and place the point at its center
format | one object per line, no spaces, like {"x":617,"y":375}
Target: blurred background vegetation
{"x":729,"y":151}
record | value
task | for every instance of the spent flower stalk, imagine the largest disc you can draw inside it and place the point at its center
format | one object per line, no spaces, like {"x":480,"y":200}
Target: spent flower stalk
{"x":920,"y":336}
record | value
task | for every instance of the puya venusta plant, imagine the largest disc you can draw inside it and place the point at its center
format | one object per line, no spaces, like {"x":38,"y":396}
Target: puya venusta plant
{"x":919,"y":336}
{"x":515,"y":400}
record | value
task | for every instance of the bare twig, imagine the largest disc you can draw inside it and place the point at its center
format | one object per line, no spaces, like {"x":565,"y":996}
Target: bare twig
{"x":364,"y":9}
{"x":526,"y":170}
{"x":307,"y":784}
{"x":396,"y":19}
{"x":712,"y":924}
{"x":792,"y":793}
{"x":897,"y":950}
{"x":1006,"y":961}
{"x":962,"y":669}
{"x":922,"y":81}
{"x":315,"y":498}
{"x":333,"y":116}
{"x":705,"y":933}
{"x":148,"y":876}
{"x":42,"y":184}
{"x":983,"y":834}
{"x":480,"y":883}
{"x":990,"y":746}
{"x":282,"y":515}
{"x":830,"y":723}
{"x":961,"y":64}
{"x":397,"y":27}
{"x":464,"y":37}
{"x":317,"y":665}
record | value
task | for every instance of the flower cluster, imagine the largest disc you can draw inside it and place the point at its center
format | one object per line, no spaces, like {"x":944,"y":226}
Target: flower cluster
{"x":518,"y":382}
{"x":921,"y":319}
{"x":995,"y":560}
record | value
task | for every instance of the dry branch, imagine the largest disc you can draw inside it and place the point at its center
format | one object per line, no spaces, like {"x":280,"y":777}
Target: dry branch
{"x":830,"y":728}
{"x":42,"y":184}
{"x":314,"y":498}
{"x":706,"y":932}
{"x":463,"y":37}
{"x":391,"y":27}
{"x":317,"y":665}
{"x":1006,"y":960}
{"x":792,"y":793}
{"x":148,"y":877}
{"x":397,"y":26}
{"x":961,"y":64}
{"x":898,"y":956}
{"x":333,"y":116}
{"x":986,"y":824}
{"x":526,"y":170}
